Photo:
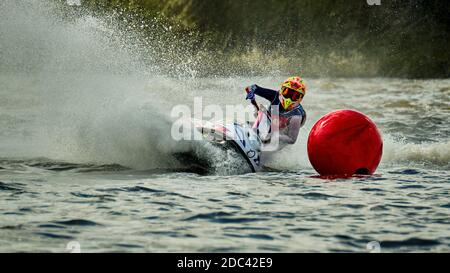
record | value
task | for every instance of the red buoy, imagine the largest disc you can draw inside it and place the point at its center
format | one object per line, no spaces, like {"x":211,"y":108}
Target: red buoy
{"x":344,"y":143}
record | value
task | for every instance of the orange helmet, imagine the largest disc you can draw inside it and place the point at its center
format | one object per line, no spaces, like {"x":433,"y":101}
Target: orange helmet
{"x":292,"y":92}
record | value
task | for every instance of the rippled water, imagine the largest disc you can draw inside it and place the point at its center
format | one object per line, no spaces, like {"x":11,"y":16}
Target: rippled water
{"x":46,"y":203}
{"x":86,"y":156}
{"x":41,"y":210}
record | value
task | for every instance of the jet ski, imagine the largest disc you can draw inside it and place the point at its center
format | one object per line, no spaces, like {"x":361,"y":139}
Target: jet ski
{"x":246,"y":140}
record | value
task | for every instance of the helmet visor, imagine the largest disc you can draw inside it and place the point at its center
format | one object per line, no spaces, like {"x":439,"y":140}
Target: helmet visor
{"x":291,"y":94}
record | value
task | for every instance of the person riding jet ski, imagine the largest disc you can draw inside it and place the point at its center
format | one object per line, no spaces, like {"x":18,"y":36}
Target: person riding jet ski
{"x":285,"y":109}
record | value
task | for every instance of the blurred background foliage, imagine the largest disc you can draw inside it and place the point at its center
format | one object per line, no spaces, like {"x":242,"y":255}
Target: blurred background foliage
{"x":399,"y":38}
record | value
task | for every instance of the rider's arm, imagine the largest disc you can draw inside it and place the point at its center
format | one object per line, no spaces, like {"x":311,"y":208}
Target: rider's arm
{"x":293,"y":130}
{"x":268,"y":94}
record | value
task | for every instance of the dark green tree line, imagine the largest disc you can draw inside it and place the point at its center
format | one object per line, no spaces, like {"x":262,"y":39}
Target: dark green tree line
{"x":397,"y":38}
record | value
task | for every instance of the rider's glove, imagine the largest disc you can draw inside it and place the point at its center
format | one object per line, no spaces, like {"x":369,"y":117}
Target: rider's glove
{"x":250,"y":92}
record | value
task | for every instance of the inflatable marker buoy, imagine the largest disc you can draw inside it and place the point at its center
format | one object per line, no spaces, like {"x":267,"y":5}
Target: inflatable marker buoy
{"x":345,"y":143}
